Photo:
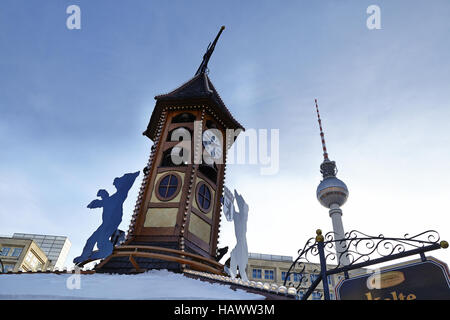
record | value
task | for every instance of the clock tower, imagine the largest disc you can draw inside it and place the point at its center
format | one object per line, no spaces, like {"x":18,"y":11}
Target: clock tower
{"x":176,"y":220}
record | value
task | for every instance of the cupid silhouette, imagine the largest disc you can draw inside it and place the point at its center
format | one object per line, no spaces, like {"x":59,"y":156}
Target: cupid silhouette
{"x":112,"y":217}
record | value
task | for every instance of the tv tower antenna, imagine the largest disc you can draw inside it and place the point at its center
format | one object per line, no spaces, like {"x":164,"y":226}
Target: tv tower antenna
{"x":327,"y":168}
{"x":332,"y":193}
{"x":324,"y":146}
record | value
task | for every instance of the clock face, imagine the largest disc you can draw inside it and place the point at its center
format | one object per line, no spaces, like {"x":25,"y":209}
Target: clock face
{"x":212,"y":144}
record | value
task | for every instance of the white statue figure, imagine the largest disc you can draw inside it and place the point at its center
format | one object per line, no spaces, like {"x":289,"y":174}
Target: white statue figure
{"x":228,"y":204}
{"x":239,"y":255}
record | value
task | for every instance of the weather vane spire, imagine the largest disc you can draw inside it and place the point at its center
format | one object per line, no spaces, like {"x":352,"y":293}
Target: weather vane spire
{"x":327,"y":168}
{"x":209,"y":51}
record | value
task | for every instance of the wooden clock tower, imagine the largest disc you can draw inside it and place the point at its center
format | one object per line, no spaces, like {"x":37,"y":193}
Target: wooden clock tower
{"x":176,"y":220}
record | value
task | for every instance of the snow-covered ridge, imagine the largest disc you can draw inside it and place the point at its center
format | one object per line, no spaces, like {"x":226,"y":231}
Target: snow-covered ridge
{"x":155,"y":284}
{"x":273,"y":288}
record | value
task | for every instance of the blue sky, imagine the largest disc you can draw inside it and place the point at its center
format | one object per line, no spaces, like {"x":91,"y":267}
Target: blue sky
{"x":73,"y":105}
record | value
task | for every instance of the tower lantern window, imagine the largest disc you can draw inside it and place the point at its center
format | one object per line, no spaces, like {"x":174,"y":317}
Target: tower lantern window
{"x":183,"y":118}
{"x":168,"y":186}
{"x":204,"y":197}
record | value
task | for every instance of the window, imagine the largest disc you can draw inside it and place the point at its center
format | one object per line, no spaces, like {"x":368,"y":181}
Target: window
{"x":211,"y":124}
{"x":300,"y":295}
{"x":256,"y":273}
{"x":268,"y":274}
{"x":176,"y":154}
{"x":179,"y":134}
{"x":33,"y":261}
{"x":316,"y":295}
{"x":297,"y":277}
{"x":39,"y":265}
{"x":17,"y":252}
{"x":8,"y":267}
{"x":330,"y":281}
{"x":209,"y":171}
{"x":203,"y":197}
{"x":167,"y":159}
{"x":183,"y":117}
{"x":5,"y":251}
{"x":314,"y":277}
{"x":283,"y":276}
{"x":168,"y":187}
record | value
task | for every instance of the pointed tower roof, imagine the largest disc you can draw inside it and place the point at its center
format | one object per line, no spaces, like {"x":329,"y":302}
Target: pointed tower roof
{"x":199,"y":90}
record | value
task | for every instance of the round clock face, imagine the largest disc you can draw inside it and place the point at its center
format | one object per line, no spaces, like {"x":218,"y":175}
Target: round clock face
{"x":212,"y":144}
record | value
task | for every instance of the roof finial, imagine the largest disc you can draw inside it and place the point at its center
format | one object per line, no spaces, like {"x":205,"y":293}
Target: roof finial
{"x":207,"y":55}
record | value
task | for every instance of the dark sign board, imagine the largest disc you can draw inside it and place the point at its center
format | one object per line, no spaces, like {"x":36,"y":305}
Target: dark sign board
{"x":421,"y":280}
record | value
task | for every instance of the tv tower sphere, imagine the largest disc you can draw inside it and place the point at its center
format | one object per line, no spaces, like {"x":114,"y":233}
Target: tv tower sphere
{"x":330,"y":191}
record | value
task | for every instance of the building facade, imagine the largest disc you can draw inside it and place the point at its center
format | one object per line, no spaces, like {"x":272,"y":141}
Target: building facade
{"x":22,"y":255}
{"x":267,"y":268}
{"x":55,"y":248}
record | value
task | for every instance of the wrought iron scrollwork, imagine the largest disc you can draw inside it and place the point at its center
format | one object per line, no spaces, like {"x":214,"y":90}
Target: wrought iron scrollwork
{"x":303,"y":269}
{"x":356,"y":249}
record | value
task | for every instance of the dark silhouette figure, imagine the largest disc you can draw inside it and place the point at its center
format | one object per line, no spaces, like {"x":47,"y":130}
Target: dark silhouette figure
{"x":112,"y":217}
{"x":118,"y":237}
{"x":220,"y":253}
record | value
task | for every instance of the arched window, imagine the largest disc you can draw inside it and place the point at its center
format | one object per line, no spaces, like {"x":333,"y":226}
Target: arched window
{"x":183,"y":117}
{"x":179,"y":134}
{"x":203,"y":197}
{"x":168,"y":157}
{"x":211,"y":124}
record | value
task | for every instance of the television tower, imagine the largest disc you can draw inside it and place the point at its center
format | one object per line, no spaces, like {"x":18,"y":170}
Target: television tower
{"x":332,"y":193}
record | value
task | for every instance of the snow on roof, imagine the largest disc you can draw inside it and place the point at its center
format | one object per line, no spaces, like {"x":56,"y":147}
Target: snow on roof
{"x":152,"y":285}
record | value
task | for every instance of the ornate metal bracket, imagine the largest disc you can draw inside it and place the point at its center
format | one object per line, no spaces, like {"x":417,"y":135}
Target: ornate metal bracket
{"x":355,"y":250}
